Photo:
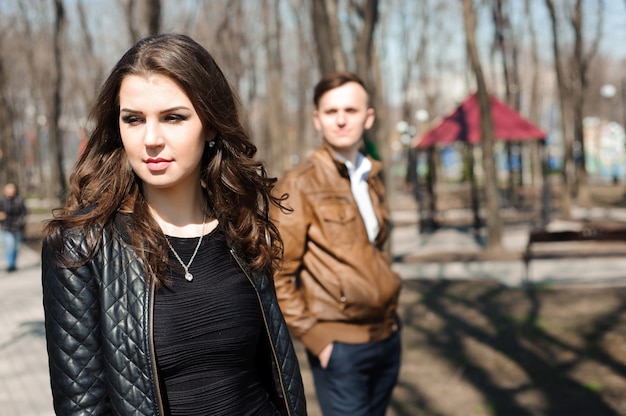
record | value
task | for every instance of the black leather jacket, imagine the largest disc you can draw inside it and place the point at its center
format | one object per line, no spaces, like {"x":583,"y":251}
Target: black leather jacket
{"x":98,"y":320}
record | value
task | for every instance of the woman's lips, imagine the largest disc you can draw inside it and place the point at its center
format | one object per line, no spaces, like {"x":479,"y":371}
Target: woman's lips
{"x":158,"y":164}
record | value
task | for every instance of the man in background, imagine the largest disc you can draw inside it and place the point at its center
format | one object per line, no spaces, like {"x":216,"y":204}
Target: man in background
{"x":12,"y":224}
{"x":336,"y":287}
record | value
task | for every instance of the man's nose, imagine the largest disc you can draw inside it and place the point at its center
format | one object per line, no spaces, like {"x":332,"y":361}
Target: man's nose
{"x":341,"y":118}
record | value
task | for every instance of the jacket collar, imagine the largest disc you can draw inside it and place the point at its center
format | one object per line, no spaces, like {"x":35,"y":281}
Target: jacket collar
{"x":328,"y":155}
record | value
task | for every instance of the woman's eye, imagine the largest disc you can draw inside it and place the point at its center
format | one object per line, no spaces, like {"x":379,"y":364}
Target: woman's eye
{"x":175,"y":118}
{"x":132,"y":120}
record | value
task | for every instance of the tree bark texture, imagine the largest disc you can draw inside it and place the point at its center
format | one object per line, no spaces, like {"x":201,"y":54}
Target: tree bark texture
{"x":278,"y":154}
{"x":56,"y":136}
{"x":568,"y":153}
{"x":327,"y":36}
{"x":9,"y":160}
{"x":494,"y":223}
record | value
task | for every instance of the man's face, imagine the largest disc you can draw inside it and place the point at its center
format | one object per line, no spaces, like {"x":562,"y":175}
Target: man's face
{"x":9,"y":190}
{"x":342,"y":116}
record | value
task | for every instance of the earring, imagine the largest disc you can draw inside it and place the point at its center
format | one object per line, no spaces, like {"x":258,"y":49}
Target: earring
{"x":212,"y":143}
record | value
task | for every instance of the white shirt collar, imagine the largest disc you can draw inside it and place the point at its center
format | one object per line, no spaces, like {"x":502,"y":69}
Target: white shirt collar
{"x":362,"y":168}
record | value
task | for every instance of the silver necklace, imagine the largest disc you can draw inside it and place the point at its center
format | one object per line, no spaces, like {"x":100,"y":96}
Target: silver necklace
{"x":188,"y":275}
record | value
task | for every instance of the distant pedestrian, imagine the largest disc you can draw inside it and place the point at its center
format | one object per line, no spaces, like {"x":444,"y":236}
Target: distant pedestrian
{"x":12,"y":222}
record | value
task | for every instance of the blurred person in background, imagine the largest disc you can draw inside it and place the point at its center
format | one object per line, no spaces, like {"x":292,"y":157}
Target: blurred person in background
{"x":12,"y":223}
{"x":336,"y":287}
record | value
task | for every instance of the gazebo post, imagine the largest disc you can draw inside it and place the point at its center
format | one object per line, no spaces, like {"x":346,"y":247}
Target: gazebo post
{"x":473,"y":191}
{"x":545,"y":194}
{"x":432,"y":180}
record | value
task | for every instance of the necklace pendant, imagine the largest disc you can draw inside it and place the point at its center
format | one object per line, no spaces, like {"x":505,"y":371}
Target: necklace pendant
{"x":188,"y":276}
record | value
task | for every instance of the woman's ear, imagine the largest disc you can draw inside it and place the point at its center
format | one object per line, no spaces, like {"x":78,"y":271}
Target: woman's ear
{"x":210,"y":138}
{"x":211,"y":134}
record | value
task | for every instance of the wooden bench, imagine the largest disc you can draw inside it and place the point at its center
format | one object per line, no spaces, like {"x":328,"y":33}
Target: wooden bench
{"x":593,"y":234}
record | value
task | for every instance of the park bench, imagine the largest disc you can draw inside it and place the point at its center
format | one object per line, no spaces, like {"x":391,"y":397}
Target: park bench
{"x":605,"y":242}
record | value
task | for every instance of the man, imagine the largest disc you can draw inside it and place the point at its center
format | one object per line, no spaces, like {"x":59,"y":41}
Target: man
{"x":12,"y":223}
{"x":336,"y":288}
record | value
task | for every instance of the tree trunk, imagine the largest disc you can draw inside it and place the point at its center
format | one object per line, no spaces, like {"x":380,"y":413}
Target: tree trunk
{"x":152,"y":15}
{"x":568,"y":155}
{"x":278,"y":157}
{"x":539,"y":172}
{"x":142,"y":19}
{"x":56,"y":136}
{"x":504,"y":43}
{"x":368,"y":68}
{"x":494,"y":223}
{"x":579,"y":89}
{"x":327,"y":36}
{"x":9,"y":160}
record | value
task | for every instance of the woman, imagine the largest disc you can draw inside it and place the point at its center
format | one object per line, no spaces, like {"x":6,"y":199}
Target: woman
{"x":12,"y":223}
{"x":157,"y":271}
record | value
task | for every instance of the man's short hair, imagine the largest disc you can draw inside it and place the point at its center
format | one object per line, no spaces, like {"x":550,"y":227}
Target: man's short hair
{"x":333,"y":80}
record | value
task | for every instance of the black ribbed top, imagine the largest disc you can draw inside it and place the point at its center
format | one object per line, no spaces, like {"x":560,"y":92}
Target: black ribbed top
{"x":206,"y":334}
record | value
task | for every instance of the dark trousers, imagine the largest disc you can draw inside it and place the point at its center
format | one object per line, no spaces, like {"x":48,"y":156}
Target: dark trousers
{"x":359,"y":378}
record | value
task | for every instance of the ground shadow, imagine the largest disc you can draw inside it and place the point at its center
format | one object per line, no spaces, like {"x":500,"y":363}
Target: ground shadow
{"x":26,"y":330}
{"x":528,"y":351}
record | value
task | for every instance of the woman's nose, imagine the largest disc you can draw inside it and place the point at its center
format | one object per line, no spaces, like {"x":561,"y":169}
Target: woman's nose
{"x":153,"y":134}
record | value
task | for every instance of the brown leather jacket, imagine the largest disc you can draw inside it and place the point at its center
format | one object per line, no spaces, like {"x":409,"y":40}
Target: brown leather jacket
{"x":334,"y":284}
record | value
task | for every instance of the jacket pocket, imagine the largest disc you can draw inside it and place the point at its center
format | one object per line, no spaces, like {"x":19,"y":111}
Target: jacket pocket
{"x":338,"y":220}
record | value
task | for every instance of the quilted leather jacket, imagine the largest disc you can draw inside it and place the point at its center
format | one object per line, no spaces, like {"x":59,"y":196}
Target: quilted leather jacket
{"x":98,"y":320}
{"x":334,"y":284}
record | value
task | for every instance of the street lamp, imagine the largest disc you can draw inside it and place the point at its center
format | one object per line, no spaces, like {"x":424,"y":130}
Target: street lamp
{"x":607,"y":91}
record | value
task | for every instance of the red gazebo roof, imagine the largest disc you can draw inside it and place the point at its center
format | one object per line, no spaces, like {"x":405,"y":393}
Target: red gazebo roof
{"x":464,"y":125}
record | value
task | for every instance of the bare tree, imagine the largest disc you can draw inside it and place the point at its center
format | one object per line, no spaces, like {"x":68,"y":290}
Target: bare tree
{"x":327,"y":36}
{"x":56,"y":136}
{"x":362,"y":27}
{"x":564,"y":96}
{"x":504,"y":43}
{"x":9,"y":161}
{"x":367,"y":10}
{"x":539,"y":172}
{"x":275,"y":116}
{"x":90,"y":56}
{"x":230,"y":34}
{"x":35,"y":69}
{"x":414,"y":42}
{"x":152,"y":13}
{"x":143,"y":18}
{"x":572,"y":88}
{"x":131,"y":23}
{"x":494,"y":223}
{"x":304,"y":139}
{"x":579,"y":84}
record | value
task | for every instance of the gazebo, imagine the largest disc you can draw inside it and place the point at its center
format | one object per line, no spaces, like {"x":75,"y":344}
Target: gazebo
{"x":463,"y":125}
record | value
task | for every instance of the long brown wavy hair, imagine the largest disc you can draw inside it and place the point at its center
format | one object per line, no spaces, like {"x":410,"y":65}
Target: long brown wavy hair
{"x":238,"y":190}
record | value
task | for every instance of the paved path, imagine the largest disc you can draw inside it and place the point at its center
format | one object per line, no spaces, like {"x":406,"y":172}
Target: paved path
{"x":24,"y":387}
{"x":24,"y":382}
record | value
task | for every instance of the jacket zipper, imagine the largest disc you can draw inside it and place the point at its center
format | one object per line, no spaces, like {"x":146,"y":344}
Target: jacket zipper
{"x":157,"y":385}
{"x":267,"y":330}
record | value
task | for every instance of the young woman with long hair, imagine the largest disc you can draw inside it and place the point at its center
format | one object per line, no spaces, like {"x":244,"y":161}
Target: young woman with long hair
{"x":157,"y":284}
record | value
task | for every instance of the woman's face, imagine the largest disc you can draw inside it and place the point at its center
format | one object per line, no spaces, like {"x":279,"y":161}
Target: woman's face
{"x":161,"y":132}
